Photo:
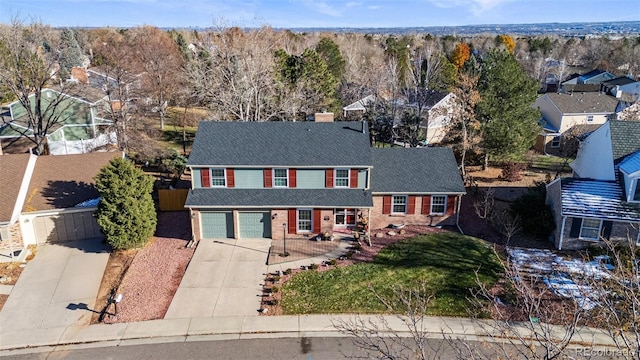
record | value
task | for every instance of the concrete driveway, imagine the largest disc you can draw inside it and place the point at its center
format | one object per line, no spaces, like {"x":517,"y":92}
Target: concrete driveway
{"x":58,"y":288}
{"x":224,"y":278}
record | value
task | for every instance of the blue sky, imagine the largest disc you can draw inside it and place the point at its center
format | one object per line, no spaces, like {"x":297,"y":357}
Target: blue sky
{"x":315,"y":13}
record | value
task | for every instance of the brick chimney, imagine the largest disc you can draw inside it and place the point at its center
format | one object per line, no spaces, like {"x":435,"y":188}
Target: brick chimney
{"x":79,"y":74}
{"x":323,"y":117}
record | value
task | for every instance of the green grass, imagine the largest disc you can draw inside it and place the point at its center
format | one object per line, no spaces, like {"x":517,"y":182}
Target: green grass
{"x":444,"y":262}
{"x":172,"y":137}
{"x":550,"y":163}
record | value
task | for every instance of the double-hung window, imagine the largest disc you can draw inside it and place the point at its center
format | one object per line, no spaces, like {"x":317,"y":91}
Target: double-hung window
{"x":218,"y":178}
{"x":399,"y":204}
{"x":280,"y":178}
{"x":438,"y":204}
{"x":304,"y":220}
{"x":342,"y":178}
{"x":590,"y":229}
{"x":555,"y":142}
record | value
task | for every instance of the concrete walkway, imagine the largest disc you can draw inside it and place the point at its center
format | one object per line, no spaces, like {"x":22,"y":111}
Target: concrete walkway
{"x":58,"y":288}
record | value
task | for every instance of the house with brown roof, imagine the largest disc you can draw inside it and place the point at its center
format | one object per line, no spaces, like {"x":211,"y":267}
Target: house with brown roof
{"x":563,"y":111}
{"x":15,"y":172}
{"x":52,"y":201}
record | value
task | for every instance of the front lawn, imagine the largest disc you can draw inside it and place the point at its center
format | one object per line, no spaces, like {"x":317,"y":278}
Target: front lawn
{"x":445,"y":262}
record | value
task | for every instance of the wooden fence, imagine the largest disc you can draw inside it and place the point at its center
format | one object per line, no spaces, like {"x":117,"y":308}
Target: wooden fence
{"x":172,"y":200}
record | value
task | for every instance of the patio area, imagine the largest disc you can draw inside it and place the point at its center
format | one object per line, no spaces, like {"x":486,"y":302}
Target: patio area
{"x":304,"y":248}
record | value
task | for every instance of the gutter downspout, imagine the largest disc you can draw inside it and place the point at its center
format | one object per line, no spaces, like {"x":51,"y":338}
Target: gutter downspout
{"x":458,"y":214}
{"x":564,"y":220}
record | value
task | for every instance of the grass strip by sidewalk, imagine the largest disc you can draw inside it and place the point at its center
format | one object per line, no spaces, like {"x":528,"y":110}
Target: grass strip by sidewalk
{"x":446,"y":262}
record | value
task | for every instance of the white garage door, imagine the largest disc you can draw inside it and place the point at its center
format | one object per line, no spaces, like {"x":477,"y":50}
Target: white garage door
{"x":72,"y":226}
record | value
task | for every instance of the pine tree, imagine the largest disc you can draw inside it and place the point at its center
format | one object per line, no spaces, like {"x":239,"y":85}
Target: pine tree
{"x":126,"y":213}
{"x":70,"y":52}
{"x":508,"y":119}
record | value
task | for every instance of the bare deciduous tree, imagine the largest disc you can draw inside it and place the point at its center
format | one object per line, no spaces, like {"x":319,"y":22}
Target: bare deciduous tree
{"x":29,"y":65}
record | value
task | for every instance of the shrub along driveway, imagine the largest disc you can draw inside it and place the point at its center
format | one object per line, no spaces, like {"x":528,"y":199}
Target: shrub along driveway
{"x":446,"y":263}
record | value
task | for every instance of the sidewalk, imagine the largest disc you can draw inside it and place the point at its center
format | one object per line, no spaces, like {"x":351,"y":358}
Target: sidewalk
{"x":241,"y":327}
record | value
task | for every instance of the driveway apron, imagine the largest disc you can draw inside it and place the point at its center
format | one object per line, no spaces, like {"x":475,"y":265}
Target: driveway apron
{"x":224,"y":278}
{"x":57,"y":288}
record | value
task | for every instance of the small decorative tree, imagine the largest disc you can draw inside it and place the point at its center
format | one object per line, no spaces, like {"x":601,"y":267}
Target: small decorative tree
{"x":126,"y":213}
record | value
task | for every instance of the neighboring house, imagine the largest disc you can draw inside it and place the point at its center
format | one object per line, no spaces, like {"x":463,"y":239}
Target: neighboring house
{"x":589,"y":81}
{"x":82,"y":124}
{"x":299,"y":179}
{"x":44,"y":198}
{"x":359,"y":107}
{"x":603,"y":197}
{"x":611,"y":86}
{"x":560,"y":112}
{"x":629,"y":92}
{"x":15,"y":173}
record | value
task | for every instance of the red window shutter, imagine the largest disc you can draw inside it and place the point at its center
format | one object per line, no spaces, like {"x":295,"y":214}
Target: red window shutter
{"x":293,"y":181}
{"x":293,"y":221}
{"x":386,"y":204}
{"x":411,"y":205}
{"x":268,"y":177}
{"x":426,"y":204}
{"x":451,"y":205}
{"x":328,"y":183}
{"x":316,"y":221}
{"x":205,"y":177}
{"x":353,"y":181}
{"x":231,"y":179}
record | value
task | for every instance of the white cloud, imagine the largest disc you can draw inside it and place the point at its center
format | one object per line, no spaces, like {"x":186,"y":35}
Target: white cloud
{"x":334,"y":10}
{"x":477,"y":7}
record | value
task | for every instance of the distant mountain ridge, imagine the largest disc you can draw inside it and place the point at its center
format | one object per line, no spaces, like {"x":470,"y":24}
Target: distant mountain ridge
{"x":564,"y":29}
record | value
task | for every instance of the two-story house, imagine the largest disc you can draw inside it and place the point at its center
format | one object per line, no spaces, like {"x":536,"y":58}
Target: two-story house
{"x":296,"y":179}
{"x":602,"y":200}
{"x":562,"y":112}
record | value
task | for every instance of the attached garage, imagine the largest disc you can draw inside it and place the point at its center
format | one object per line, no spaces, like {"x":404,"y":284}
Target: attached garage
{"x":66,"y":226}
{"x":216,"y":225}
{"x":254,"y":225}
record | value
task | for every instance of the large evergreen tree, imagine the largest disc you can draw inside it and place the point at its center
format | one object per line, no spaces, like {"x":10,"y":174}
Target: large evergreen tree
{"x":126,"y":213}
{"x":330,"y":53}
{"x":505,"y":110}
{"x":70,"y":52}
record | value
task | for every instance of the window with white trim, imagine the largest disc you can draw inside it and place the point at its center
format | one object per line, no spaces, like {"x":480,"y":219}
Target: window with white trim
{"x":590,"y":229}
{"x":345,"y":216}
{"x":555,"y":142}
{"x":399,"y":204}
{"x":589,"y":118}
{"x":280,"y":177}
{"x":218,"y":178}
{"x":438,"y":204}
{"x":305,"y":220}
{"x":341,"y":178}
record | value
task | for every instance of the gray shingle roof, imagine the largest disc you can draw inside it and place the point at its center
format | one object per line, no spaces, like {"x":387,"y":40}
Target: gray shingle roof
{"x":415,"y":170}
{"x":595,"y":198}
{"x":317,"y":198}
{"x":281,"y":144}
{"x":584,"y":103}
{"x":625,"y":138}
